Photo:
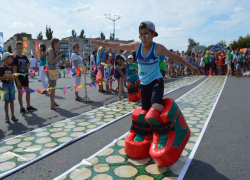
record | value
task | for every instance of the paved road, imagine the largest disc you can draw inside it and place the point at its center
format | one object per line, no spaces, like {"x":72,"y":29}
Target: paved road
{"x":224,"y":149}
{"x":222,"y":153}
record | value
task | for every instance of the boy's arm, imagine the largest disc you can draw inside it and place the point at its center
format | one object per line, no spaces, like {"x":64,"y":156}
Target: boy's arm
{"x":119,"y":46}
{"x":121,"y":73}
{"x":162,"y":50}
{"x":18,"y":84}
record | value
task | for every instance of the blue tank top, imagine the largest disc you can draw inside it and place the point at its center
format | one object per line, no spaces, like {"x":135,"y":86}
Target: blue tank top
{"x":148,"y":66}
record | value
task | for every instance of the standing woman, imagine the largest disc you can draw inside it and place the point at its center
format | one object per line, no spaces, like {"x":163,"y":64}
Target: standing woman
{"x":120,"y":70}
{"x":77,"y":63}
{"x":52,"y":59}
{"x":41,"y":67}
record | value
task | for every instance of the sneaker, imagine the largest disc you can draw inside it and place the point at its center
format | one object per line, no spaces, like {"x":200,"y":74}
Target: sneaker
{"x":31,"y":109}
{"x":14,"y":118}
{"x":23,"y":111}
{"x":7,"y":119}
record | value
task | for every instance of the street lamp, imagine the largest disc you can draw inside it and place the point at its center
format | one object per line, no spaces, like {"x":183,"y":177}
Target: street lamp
{"x":112,"y":18}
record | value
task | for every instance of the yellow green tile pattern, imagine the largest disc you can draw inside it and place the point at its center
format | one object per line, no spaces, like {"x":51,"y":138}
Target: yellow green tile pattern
{"x":20,"y":150}
{"x":112,"y":162}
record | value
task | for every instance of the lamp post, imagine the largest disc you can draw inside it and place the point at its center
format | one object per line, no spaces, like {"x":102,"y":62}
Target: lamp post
{"x":112,"y":18}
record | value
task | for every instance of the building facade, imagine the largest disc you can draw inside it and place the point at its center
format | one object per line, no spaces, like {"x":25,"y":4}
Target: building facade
{"x":66,"y":44}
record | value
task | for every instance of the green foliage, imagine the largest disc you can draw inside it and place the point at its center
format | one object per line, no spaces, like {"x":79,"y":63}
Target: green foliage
{"x":40,"y":36}
{"x":82,"y":34}
{"x":192,"y":43}
{"x":9,"y":49}
{"x":73,"y":33}
{"x":111,"y":37}
{"x":242,"y":42}
{"x":102,"y":36}
{"x":223,"y":43}
{"x":49,"y":33}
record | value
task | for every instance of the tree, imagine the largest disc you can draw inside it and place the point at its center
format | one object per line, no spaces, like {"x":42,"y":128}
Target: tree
{"x":242,"y":42}
{"x":102,"y":36}
{"x":111,"y":37}
{"x":209,"y":47}
{"x":40,"y":36}
{"x":192,"y":43}
{"x":9,"y":49}
{"x":222,"y":42}
{"x":73,"y":33}
{"x":82,"y":34}
{"x":49,"y":33}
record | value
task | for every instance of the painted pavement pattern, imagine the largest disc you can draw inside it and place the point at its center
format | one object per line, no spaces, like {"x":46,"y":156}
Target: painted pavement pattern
{"x":25,"y":149}
{"x":112,"y":163}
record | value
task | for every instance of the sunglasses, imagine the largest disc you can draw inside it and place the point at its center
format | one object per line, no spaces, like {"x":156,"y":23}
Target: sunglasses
{"x":144,"y":36}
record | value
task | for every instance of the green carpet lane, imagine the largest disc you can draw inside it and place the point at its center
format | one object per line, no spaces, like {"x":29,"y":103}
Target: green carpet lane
{"x":112,"y":162}
{"x":22,"y":149}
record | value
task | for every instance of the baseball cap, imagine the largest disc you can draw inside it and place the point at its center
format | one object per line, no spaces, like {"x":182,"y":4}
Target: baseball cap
{"x":148,"y":25}
{"x":130,"y":57}
{"x":7,"y":54}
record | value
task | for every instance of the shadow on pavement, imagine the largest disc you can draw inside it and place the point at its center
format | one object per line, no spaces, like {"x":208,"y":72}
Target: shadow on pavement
{"x":199,"y":170}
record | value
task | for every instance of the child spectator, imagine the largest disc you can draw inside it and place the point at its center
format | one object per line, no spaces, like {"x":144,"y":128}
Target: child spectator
{"x":239,"y":64}
{"x":219,"y":63}
{"x":162,"y":65}
{"x":132,"y":69}
{"x":7,"y":78}
{"x":21,"y":65}
{"x":212,"y":62}
{"x":108,"y":73}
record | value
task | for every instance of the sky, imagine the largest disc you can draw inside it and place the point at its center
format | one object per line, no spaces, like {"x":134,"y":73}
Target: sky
{"x":205,"y":21}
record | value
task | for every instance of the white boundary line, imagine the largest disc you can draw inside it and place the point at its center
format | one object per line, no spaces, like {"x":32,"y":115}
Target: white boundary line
{"x":190,"y":158}
{"x":72,"y":140}
{"x":115,"y":140}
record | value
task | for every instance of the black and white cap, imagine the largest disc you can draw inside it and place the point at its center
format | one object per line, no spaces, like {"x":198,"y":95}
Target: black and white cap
{"x":148,"y":25}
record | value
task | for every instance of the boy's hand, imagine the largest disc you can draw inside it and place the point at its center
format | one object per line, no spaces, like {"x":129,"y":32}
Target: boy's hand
{"x":11,"y":77}
{"x":195,"y":70}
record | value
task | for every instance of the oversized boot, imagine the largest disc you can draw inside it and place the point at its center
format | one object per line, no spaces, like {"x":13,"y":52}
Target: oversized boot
{"x":139,"y":139}
{"x":133,"y":91}
{"x":170,"y":133}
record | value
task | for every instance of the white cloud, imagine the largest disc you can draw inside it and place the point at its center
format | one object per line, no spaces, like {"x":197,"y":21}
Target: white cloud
{"x":111,"y":28}
{"x":21,"y":24}
{"x":208,"y":2}
{"x":171,"y":32}
{"x":99,"y":17}
{"x":239,"y":9}
{"x":79,"y":9}
{"x":229,"y":22}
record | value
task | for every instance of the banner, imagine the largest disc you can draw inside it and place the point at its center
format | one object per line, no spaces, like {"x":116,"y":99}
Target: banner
{"x":1,"y":41}
{"x":199,"y":49}
{"x":37,"y":48}
{"x":25,"y":45}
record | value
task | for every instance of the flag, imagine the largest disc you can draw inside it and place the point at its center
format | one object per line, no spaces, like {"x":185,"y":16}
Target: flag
{"x":1,"y":41}
{"x":37,"y":48}
{"x":25,"y":45}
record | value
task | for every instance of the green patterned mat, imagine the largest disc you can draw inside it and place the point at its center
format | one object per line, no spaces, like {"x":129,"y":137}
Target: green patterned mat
{"x":22,"y":150}
{"x":112,"y":162}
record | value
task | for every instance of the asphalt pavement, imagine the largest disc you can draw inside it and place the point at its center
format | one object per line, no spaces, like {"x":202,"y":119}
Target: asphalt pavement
{"x":222,"y":153}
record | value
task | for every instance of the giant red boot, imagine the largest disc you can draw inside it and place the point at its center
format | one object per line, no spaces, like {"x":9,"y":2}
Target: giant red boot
{"x":170,"y":133}
{"x":139,"y":139}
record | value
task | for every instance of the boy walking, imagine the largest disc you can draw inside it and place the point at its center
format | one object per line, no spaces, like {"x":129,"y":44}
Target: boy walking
{"x":7,"y":78}
{"x":21,"y":65}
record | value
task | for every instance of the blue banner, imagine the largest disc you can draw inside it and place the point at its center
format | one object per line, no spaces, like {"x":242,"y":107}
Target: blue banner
{"x":1,"y":41}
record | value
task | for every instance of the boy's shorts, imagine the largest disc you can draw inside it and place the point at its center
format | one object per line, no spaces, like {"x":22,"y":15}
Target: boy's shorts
{"x":8,"y":96}
{"x":238,"y":66}
{"x":23,"y":80}
{"x":152,"y":93}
